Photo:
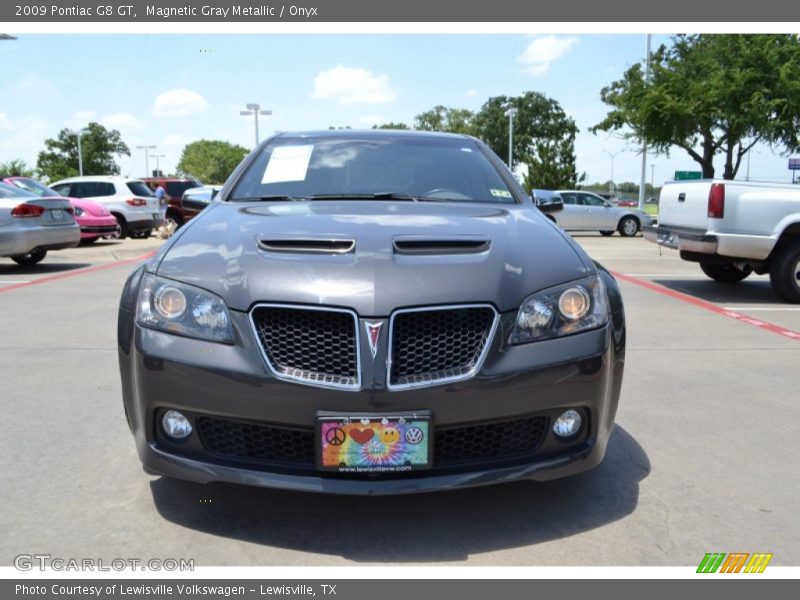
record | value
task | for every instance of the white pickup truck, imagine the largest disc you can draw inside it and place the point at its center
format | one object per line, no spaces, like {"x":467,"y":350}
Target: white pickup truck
{"x":734,"y":228}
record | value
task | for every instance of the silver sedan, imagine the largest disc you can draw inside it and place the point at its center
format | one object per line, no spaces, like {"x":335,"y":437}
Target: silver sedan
{"x":30,"y":225}
{"x":585,"y":211}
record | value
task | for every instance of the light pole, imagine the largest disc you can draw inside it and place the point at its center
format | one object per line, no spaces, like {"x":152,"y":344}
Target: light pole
{"x":652,"y":177}
{"x":612,"y":186}
{"x":158,"y":169}
{"x":255,"y":110}
{"x":80,"y":153}
{"x":511,"y":112}
{"x":146,"y":161}
{"x":644,"y":140}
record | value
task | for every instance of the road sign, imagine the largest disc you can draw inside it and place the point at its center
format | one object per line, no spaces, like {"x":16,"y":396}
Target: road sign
{"x":681,"y":175}
{"x":794,"y":164}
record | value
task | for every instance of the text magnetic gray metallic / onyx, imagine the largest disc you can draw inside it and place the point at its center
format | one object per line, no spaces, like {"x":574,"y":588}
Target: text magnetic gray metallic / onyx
{"x":394,"y":275}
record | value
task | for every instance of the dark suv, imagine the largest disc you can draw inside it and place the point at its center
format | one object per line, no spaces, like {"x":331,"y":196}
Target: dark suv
{"x":174,"y":188}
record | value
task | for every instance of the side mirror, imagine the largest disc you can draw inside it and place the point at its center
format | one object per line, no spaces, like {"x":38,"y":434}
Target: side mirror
{"x":214,"y":193}
{"x":549,"y":205}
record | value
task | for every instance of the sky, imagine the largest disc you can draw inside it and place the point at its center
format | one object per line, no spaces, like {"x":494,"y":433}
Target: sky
{"x":167,"y":90}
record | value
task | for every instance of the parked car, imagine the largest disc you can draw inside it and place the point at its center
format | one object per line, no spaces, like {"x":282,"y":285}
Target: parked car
{"x":174,"y":187}
{"x":375,"y":312}
{"x":30,"y":226}
{"x":129,"y":200}
{"x":733,"y":229}
{"x":586,"y":211}
{"x":624,"y":203}
{"x":94,"y":219}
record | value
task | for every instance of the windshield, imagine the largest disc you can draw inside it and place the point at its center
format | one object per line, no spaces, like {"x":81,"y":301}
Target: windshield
{"x":9,"y":191}
{"x":394,"y":168}
{"x":33,"y":186}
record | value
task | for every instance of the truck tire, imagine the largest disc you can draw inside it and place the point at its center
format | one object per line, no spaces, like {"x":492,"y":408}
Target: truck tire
{"x":784,"y":272}
{"x":628,"y":226}
{"x":725,"y":273}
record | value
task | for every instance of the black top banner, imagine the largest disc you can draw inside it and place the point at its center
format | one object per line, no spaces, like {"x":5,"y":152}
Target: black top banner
{"x":189,"y":11}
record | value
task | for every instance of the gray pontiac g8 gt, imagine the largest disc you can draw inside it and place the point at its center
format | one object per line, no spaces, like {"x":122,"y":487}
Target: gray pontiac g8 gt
{"x":371,"y":313}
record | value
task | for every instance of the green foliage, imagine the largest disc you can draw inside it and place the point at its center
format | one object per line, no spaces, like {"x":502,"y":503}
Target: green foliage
{"x":544,"y":138}
{"x":210,"y":161}
{"x":391,"y":125}
{"x":712,"y":95}
{"x":15,"y":168}
{"x":99,"y":146}
{"x":443,"y":118}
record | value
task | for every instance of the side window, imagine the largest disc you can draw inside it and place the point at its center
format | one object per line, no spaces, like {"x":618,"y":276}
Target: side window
{"x":569,"y":198}
{"x":62,"y":189}
{"x":80,"y":189}
{"x":589,"y":200}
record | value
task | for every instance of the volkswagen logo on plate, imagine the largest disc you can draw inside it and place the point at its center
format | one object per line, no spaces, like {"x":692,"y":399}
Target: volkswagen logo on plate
{"x":414,"y":435}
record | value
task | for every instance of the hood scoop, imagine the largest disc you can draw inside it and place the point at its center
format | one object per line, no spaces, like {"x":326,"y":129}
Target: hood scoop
{"x":308,"y":246}
{"x":438,"y":246}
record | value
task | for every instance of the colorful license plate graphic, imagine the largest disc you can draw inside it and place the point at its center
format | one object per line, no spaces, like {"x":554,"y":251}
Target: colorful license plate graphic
{"x":374,"y":444}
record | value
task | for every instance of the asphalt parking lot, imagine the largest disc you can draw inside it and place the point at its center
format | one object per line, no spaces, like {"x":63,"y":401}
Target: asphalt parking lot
{"x":702,"y":459}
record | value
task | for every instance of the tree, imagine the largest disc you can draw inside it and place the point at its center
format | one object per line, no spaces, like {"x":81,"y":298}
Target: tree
{"x":211,"y":161}
{"x":443,"y":118}
{"x":544,"y":138}
{"x":15,"y":168}
{"x":711,"y":95}
{"x":391,"y":125}
{"x":99,"y":146}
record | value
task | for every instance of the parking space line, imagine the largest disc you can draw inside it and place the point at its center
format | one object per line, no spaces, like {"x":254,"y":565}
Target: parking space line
{"x":720,"y":310}
{"x":77,"y":272}
{"x":14,"y":281}
{"x":764,"y":308}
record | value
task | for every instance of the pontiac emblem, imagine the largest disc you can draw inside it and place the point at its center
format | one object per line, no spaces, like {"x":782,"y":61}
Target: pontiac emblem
{"x":373,"y":334}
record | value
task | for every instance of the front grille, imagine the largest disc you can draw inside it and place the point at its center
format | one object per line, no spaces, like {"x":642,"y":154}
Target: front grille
{"x":452,"y":446}
{"x":309,"y":345}
{"x":429,"y":346}
{"x":501,"y":439}
{"x":256,"y":441}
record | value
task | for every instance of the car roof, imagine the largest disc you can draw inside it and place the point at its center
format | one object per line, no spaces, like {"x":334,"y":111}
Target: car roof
{"x":369,"y":133}
{"x":97,"y":178}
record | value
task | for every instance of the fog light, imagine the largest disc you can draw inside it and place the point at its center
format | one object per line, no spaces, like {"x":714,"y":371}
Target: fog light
{"x":176,"y":425}
{"x":568,"y":424}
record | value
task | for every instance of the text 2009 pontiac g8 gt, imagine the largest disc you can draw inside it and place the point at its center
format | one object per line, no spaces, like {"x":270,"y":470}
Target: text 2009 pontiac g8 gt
{"x":371,"y":313}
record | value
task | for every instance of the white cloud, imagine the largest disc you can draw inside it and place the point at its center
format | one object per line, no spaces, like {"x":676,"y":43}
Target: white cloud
{"x":122,"y":121}
{"x":174,"y":139}
{"x":35,"y":86}
{"x":544,"y":51}
{"x":352,"y":86}
{"x":5,"y":122}
{"x":178,"y":102}
{"x":471,"y":93}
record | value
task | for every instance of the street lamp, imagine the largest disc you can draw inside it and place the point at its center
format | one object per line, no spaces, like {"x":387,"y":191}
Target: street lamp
{"x":146,"y":161}
{"x":652,"y":177}
{"x":158,"y":169}
{"x":511,"y":112}
{"x":80,"y":153}
{"x":612,"y":185}
{"x":255,"y":110}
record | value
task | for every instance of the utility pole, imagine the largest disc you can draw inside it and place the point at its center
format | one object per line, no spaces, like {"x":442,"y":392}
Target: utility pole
{"x":255,"y":110}
{"x":644,"y":140}
{"x":511,"y":112}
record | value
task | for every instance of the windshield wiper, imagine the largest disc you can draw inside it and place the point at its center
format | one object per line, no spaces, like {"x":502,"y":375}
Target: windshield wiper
{"x":376,"y":196}
{"x":272,"y":198}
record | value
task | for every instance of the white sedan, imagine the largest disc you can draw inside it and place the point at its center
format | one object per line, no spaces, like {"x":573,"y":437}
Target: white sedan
{"x":585,"y":211}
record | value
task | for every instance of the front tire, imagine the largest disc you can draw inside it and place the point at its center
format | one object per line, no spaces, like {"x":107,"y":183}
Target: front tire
{"x":123,"y":226}
{"x":31,"y":258}
{"x":628,"y":226}
{"x":725,"y":273}
{"x":142,"y":234}
{"x":784,"y":273}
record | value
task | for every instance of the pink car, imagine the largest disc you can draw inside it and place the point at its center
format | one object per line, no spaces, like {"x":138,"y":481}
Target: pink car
{"x":94,"y":219}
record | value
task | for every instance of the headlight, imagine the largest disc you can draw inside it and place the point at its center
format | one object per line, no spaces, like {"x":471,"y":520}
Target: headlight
{"x":183,"y":309}
{"x":78,"y":212}
{"x":562,"y":310}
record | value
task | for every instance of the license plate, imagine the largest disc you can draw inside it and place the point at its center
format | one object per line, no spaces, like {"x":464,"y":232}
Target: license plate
{"x":382,"y":443}
{"x":57,"y":214}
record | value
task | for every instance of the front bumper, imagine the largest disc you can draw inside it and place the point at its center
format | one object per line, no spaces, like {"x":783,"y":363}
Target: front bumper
{"x":734,"y":245}
{"x":26,"y":239}
{"x":161,"y":371}
{"x":94,"y":227}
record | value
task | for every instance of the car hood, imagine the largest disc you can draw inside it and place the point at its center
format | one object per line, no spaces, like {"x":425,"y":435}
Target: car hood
{"x":404,"y":254}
